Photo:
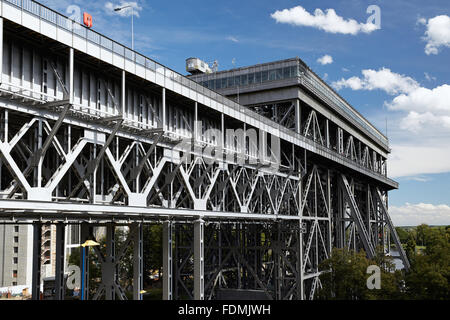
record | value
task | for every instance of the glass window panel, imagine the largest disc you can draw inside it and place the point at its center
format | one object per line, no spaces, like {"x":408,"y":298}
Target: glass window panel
{"x":224,"y":83}
{"x":258,"y":77}
{"x":272,"y":75}
{"x":218,"y":84}
{"x":279,"y":74}
{"x":294,"y":72}
{"x":244,"y":80}
{"x":265,"y":76}
{"x":251,"y":78}
{"x":237,"y":80}
{"x":230,"y":82}
{"x":287,"y":73}
{"x":211,"y":84}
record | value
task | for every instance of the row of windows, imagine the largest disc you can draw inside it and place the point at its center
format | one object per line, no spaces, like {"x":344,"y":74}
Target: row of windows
{"x":252,"y":78}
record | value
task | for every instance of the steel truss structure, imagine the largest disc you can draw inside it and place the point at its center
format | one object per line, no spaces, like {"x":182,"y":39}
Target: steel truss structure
{"x":89,"y":135}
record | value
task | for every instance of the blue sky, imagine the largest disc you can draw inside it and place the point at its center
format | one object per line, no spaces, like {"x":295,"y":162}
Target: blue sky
{"x":398,"y":73}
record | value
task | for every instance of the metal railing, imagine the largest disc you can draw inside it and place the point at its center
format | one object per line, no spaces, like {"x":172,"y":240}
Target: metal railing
{"x":78,"y":30}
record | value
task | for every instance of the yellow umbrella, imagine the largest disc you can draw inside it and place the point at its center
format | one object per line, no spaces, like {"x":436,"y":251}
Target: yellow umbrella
{"x":90,"y":243}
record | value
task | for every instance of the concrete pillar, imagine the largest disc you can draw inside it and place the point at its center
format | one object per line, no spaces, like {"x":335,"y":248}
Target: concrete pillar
{"x":199,"y":267}
{"x":167,"y":261}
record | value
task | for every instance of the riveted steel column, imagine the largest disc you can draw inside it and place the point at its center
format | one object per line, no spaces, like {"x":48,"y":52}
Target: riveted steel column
{"x":36,"y":276}
{"x":59,"y":267}
{"x":84,"y":261}
{"x":298,"y":116}
{"x":138,"y":263}
{"x":167,"y":261}
{"x":199,"y":271}
{"x":109,"y":267}
{"x":124,"y":93}
{"x":164,"y":109}
{"x":1,"y":50}
{"x":71,"y":71}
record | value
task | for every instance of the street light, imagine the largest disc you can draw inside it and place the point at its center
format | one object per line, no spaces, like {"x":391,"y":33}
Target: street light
{"x":132,"y":22}
{"x":88,"y":243}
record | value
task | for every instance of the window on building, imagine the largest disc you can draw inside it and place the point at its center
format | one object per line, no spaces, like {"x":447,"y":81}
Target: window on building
{"x":14,"y":283}
{"x":272,"y":75}
{"x":15,"y":260}
{"x":251,"y":78}
{"x":287,"y":73}
{"x":244,"y":80}
{"x":218,"y":84}
{"x":14,"y":273}
{"x":230,"y":82}
{"x":16,"y":249}
{"x":237,"y":80}
{"x":279,"y":74}
{"x":16,"y":239}
{"x":265,"y":76}
{"x":258,"y":77}
{"x":16,"y":228}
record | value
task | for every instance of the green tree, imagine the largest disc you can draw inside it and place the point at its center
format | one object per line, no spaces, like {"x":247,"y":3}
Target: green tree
{"x":345,"y":277}
{"x":411,"y":247}
{"x":430,"y":272}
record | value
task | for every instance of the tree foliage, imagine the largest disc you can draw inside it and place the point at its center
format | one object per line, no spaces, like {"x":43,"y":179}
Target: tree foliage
{"x":344,"y":275}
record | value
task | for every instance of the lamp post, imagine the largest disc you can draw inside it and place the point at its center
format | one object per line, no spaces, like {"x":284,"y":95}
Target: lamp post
{"x":132,"y":22}
{"x":88,"y":243}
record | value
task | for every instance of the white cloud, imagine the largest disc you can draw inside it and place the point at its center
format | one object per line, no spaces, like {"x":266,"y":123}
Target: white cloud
{"x":326,"y":59}
{"x":437,"y":34}
{"x":231,"y":38}
{"x":427,"y":108}
{"x":410,"y":159}
{"x":328,"y":21}
{"x":429,"y":77}
{"x":423,"y":99}
{"x":134,"y":8}
{"x":420,"y":137}
{"x":416,"y":214}
{"x":345,"y":70}
{"x":383,"y":79}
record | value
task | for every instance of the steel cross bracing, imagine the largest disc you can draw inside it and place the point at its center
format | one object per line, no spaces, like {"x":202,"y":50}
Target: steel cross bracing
{"x":87,"y":146}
